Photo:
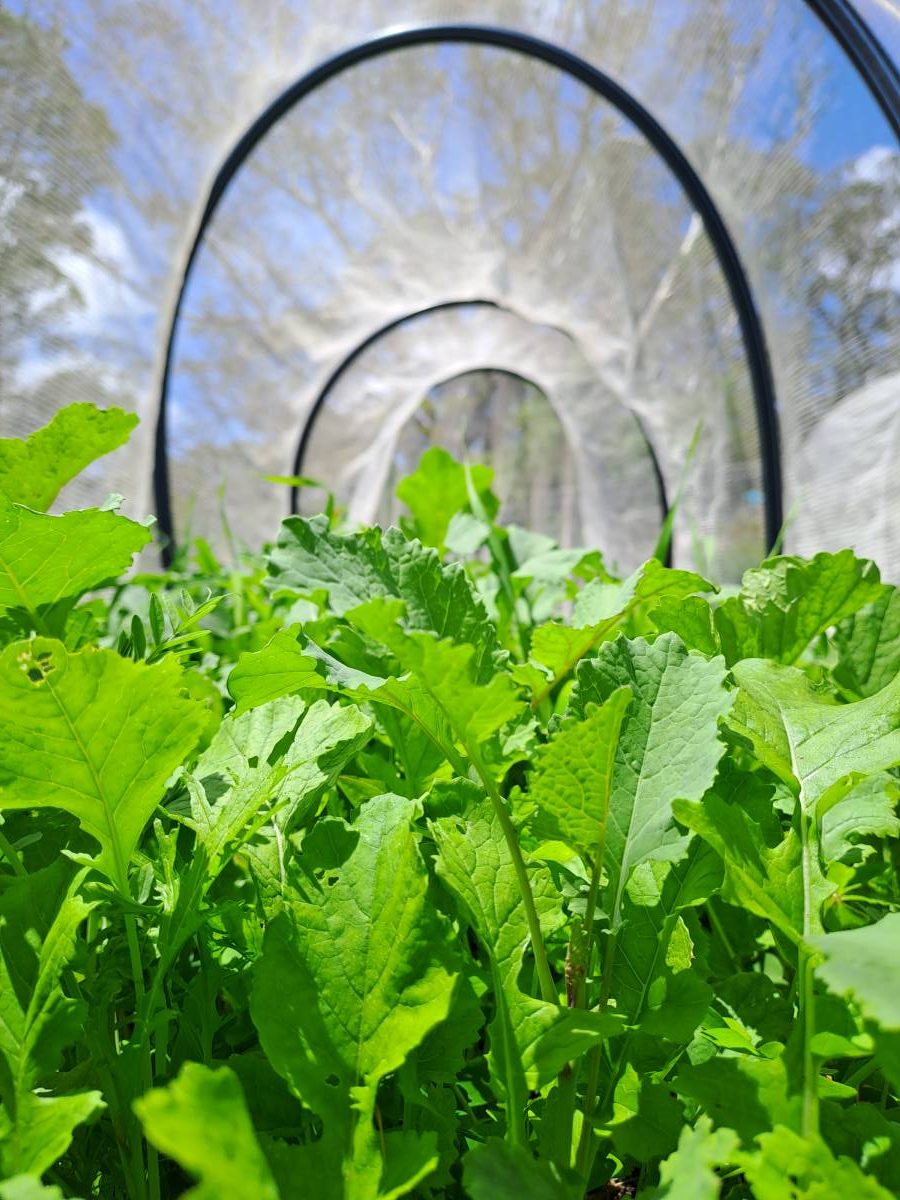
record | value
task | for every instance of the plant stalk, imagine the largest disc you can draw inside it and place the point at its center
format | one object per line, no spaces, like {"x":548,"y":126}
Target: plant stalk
{"x":137,"y":973}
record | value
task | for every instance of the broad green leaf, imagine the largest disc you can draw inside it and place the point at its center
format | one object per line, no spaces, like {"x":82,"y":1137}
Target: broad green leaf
{"x":348,"y":985}
{"x":496,"y":1170}
{"x":689,"y":1172}
{"x":789,"y":1167}
{"x":33,"y":470}
{"x":763,"y":871}
{"x":94,"y":734}
{"x":531,"y":1040}
{"x":201,"y":1121}
{"x":354,"y":569}
{"x":864,"y":963}
{"x":804,"y":735}
{"x":651,"y":988}
{"x":249,"y":738}
{"x":438,"y":690}
{"x":646,"y":1118}
{"x":27,"y":1187}
{"x":43,"y":1129}
{"x":864,"y":1133}
{"x":786,"y":602}
{"x":601,"y":608}
{"x":868,"y":810}
{"x":39,"y":918}
{"x":46,"y":559}
{"x":281,"y":668}
{"x":740,"y":1092}
{"x":691,"y":617}
{"x":668,"y":747}
{"x":868,"y":646}
{"x":437,"y":490}
{"x":572,"y":774}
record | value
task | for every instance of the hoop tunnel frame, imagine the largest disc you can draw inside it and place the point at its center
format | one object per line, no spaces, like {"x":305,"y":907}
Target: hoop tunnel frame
{"x":447,"y":305}
{"x":603,"y":86}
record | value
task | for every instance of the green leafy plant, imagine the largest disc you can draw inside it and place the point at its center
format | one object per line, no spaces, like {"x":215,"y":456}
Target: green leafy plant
{"x":438,"y":862}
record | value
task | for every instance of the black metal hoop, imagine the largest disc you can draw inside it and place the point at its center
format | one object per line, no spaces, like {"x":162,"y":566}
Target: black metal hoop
{"x":360,"y":349}
{"x":858,"y":41}
{"x":602,"y":85}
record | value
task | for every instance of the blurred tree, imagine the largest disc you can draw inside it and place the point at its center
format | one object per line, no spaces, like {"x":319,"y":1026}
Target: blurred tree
{"x":54,"y":151}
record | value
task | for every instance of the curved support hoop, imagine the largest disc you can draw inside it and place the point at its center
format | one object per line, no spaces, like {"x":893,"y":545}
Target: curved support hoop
{"x":346,"y":363}
{"x":602,"y":85}
{"x":877,"y":69}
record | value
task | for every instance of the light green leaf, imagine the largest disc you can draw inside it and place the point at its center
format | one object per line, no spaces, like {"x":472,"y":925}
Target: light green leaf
{"x":355,"y":569}
{"x":281,"y":668}
{"x":572,"y":774}
{"x":27,"y":1187}
{"x":46,"y":559}
{"x":868,"y":645}
{"x":531,"y":1040}
{"x":740,"y":1092}
{"x":646,"y":1117}
{"x":201,"y":1121}
{"x":786,"y":602}
{"x":94,"y":734}
{"x":601,"y":609}
{"x":789,"y":1167}
{"x":43,"y":1129}
{"x":668,"y":747}
{"x":252,"y":735}
{"x":865,"y":964}
{"x":437,"y":490}
{"x":439,"y":690}
{"x":868,"y":810}
{"x":688,"y":1173}
{"x":39,"y":918}
{"x":348,"y":985}
{"x":33,"y":470}
{"x":806,"y":737}
{"x":763,"y":871}
{"x":654,"y":989}
{"x":496,"y":1170}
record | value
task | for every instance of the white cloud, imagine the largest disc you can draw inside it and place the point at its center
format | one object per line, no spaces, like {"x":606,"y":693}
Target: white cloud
{"x":105,"y":280}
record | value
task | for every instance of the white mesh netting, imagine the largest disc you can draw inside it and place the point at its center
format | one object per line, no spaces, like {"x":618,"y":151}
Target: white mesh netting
{"x":445,"y":174}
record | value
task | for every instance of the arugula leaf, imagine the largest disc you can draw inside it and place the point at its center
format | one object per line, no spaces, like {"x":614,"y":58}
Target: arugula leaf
{"x":572,"y":776}
{"x":807,"y":738}
{"x":95,"y":735}
{"x":44,"y":559}
{"x":201,"y":1121}
{"x":600,"y":610}
{"x":688,"y":1173}
{"x":531,"y":1040}
{"x":868,"y":646}
{"x":437,"y":490}
{"x":281,"y":668}
{"x":348,"y":985}
{"x":497,"y":1171}
{"x":668,"y":748}
{"x":789,"y":1167}
{"x":33,"y":469}
{"x":355,"y":569}
{"x":39,"y":919}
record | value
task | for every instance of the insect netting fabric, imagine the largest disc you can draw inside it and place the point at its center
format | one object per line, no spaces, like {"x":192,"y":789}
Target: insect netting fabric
{"x":459,"y":244}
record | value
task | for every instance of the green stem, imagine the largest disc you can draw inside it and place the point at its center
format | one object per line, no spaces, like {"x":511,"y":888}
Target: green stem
{"x":11,"y":854}
{"x":142,"y":1017}
{"x":545,"y":975}
{"x":806,"y":999}
{"x":584,"y":1157}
